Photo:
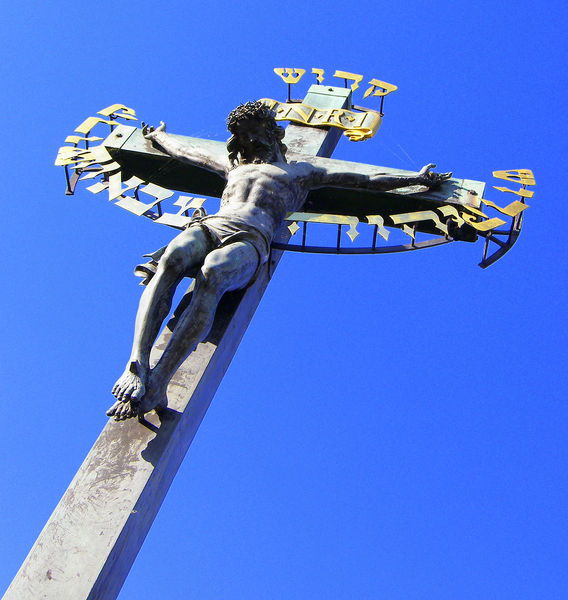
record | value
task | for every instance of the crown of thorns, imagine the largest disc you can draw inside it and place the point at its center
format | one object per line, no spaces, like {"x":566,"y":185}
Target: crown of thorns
{"x":249,"y":110}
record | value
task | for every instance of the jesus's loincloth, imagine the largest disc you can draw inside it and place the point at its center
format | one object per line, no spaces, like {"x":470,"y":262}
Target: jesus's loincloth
{"x":221,"y":230}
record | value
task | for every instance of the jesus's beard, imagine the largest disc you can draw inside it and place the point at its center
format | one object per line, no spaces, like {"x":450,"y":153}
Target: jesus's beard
{"x":260,"y":152}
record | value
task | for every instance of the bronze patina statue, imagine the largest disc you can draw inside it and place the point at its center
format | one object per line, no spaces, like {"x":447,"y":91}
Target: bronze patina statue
{"x":225,"y":251}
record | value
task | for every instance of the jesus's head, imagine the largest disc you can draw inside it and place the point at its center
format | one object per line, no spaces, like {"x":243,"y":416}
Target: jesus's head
{"x":256,"y":138}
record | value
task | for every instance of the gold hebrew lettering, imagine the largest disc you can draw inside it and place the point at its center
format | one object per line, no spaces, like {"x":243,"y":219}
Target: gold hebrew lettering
{"x":475,"y":211}
{"x":114,"y":186}
{"x":367,"y":127}
{"x":283,"y":111}
{"x":319,"y":76}
{"x":66,"y":155}
{"x":357,"y":126}
{"x":352,"y":231}
{"x":98,"y":187}
{"x":135,"y":206}
{"x":187,"y":202}
{"x":379,"y":222}
{"x":90,"y":174}
{"x":79,"y":153}
{"x":380,"y":88}
{"x":304,"y":111}
{"x":78,"y":158}
{"x":423,"y":215}
{"x":522,"y":176}
{"x":295,"y":112}
{"x":132,"y":183}
{"x":82,"y":165}
{"x":115,"y":183}
{"x":330,"y":116}
{"x":109,"y":167}
{"x":351,"y":76}
{"x":482,"y":225}
{"x":171,"y":220}
{"x":125,"y":113}
{"x":157,"y":191}
{"x":450,"y":211}
{"x":86,"y":154}
{"x":69,"y":150}
{"x":293,"y":228}
{"x":329,"y":219}
{"x":75,"y":139}
{"x":511,"y":210}
{"x":524,"y":193}
{"x":181,"y":219}
{"x":270,"y":103}
{"x":290,"y":75}
{"x":359,"y":135}
{"x":100,"y":154}
{"x":86,"y":126}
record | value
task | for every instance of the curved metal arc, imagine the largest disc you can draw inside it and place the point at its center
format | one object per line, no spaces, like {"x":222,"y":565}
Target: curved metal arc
{"x":89,"y":162}
{"x":368,"y":250}
{"x":526,"y":178}
{"x":504,"y":247}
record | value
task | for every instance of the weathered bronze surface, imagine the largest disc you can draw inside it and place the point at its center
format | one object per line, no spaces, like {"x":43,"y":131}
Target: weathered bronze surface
{"x":262,"y":184}
{"x":225,"y":251}
{"x":90,"y":541}
{"x":97,"y":529}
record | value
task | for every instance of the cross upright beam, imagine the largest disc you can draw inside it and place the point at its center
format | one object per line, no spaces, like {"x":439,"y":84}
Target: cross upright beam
{"x":89,"y":544}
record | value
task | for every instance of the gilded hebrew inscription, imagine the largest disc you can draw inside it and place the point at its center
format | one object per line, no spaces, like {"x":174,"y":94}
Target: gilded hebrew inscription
{"x":90,"y":162}
{"x":290,"y":75}
{"x":357,"y":126}
{"x":357,"y":79}
{"x":379,"y":88}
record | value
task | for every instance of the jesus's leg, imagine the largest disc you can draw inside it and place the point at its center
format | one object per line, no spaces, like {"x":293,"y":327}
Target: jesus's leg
{"x":183,"y":255}
{"x":229,"y":268}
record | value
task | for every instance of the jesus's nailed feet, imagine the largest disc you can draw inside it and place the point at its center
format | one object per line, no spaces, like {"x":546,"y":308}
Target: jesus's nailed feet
{"x":129,"y":391}
{"x":123,"y":410}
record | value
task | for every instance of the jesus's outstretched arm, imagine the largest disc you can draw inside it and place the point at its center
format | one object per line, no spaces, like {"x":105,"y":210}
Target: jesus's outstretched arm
{"x":379,"y":181}
{"x":193,"y":154}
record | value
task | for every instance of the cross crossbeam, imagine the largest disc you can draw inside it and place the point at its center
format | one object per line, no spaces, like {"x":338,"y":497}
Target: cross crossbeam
{"x":137,"y":157}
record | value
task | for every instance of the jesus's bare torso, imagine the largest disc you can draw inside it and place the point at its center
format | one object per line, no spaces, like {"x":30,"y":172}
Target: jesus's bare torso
{"x":262,"y":194}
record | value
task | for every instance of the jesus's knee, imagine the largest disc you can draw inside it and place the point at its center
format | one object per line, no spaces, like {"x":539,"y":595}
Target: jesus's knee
{"x":213,"y":276}
{"x":185,"y":253}
{"x":229,"y":268}
{"x":173,"y":261}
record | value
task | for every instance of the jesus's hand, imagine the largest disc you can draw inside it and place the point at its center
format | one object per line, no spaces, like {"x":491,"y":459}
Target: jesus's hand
{"x":430,"y":179}
{"x":149,"y":132}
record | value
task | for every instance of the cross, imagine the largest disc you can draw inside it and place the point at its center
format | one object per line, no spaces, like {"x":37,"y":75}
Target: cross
{"x":90,"y":542}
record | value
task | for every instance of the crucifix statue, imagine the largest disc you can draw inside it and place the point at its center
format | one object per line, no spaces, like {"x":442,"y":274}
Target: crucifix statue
{"x":225,"y":251}
{"x":268,"y":180}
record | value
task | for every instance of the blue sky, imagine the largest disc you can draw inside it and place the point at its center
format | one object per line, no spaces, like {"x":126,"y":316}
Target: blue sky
{"x":391,"y":426}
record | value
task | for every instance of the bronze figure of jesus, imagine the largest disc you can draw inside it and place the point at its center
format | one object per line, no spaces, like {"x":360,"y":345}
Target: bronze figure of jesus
{"x":224,"y":251}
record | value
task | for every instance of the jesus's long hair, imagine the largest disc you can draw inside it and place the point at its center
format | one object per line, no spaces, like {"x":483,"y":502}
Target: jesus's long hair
{"x":253,"y":110}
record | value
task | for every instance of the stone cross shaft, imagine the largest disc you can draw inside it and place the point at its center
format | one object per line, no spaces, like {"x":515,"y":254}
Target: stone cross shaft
{"x":89,"y":544}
